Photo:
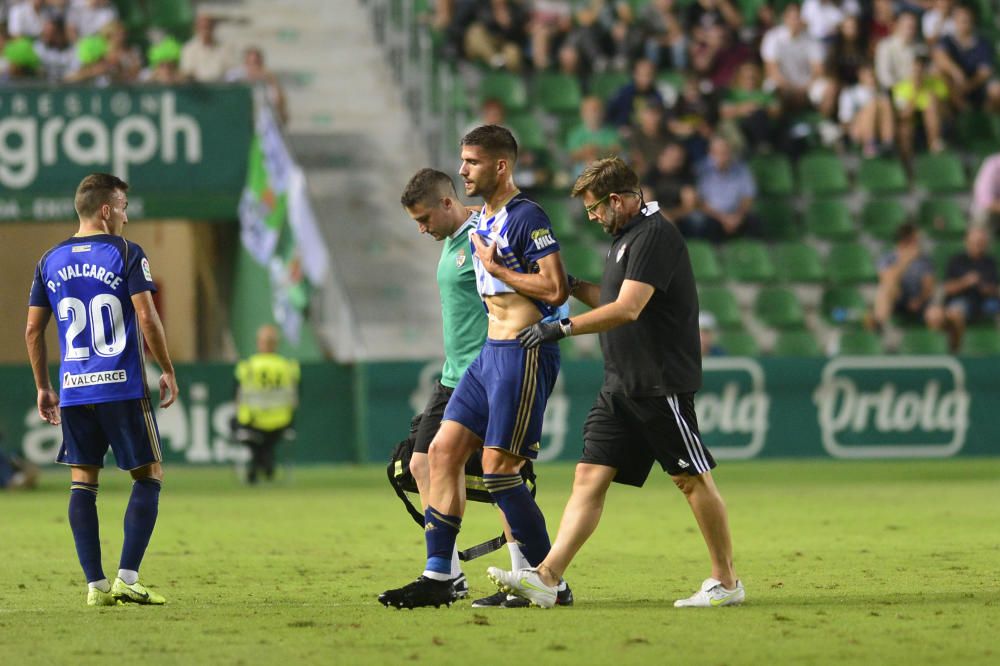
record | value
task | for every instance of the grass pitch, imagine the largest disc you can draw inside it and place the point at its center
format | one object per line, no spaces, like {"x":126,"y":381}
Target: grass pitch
{"x":875,"y":563}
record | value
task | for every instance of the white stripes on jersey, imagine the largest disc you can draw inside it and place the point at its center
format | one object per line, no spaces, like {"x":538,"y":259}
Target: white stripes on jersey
{"x":691,"y":441}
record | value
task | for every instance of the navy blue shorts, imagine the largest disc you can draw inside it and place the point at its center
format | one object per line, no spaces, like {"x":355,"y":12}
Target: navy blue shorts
{"x":127,"y":426}
{"x":502,"y":395}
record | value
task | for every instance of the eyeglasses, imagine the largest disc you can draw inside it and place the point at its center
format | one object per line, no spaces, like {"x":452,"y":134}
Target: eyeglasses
{"x":592,"y":207}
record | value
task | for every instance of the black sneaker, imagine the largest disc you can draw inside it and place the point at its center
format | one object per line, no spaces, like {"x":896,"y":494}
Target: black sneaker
{"x":564,"y":595}
{"x":461,"y":586}
{"x":495,"y":600}
{"x":421,"y":592}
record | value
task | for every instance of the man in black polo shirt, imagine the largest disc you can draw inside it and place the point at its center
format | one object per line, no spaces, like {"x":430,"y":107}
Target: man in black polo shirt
{"x":646,"y":312}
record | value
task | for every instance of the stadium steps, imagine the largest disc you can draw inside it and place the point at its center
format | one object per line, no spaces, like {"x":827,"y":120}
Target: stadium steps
{"x":351,"y":133}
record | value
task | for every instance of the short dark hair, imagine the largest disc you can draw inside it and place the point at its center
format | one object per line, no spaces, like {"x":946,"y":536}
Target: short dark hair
{"x":497,"y":141}
{"x":94,"y":191}
{"x":606,"y":176}
{"x":427,"y":184}
{"x":905,"y":231}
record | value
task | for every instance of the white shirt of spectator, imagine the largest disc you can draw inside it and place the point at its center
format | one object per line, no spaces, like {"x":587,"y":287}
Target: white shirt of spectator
{"x":24,"y":21}
{"x":893,"y":61}
{"x":823,"y":18}
{"x":795,"y":56}
{"x":853,"y":99}
{"x":205,"y":62}
{"x":89,"y":20}
{"x":56,"y":63}
{"x":935,"y":25}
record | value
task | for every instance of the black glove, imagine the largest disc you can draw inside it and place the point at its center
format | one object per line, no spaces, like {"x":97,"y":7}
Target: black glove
{"x":532,"y":336}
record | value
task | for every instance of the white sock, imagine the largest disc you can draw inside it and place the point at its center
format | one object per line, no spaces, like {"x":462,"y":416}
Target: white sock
{"x":128,"y":576}
{"x":103,"y":585}
{"x":517,"y":561}
{"x":456,"y":564}
{"x":436,"y":575}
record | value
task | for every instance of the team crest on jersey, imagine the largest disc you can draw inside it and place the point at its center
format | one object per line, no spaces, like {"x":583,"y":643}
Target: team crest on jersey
{"x":460,"y":258}
{"x":621,"y":253}
{"x":145,"y":270}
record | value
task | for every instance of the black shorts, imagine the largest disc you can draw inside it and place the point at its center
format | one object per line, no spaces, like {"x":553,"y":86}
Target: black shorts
{"x":430,"y":420}
{"x":629,"y":434}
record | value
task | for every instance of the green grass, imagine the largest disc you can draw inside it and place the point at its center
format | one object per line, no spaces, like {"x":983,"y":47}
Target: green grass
{"x":874,"y":563}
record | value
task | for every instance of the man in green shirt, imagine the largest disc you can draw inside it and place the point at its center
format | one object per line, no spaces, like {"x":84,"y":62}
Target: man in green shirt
{"x":430,"y":199}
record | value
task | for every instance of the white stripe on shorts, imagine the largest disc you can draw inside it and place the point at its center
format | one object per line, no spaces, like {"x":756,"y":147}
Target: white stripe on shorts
{"x":691,"y":441}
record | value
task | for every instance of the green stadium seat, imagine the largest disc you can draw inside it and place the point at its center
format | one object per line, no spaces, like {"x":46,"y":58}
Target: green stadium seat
{"x":748,"y":261}
{"x":707,"y":269}
{"x":778,"y":219}
{"x":981,"y":341}
{"x":528,"y":131}
{"x":722,"y":304}
{"x":582,"y":261}
{"x":822,"y":173}
{"x":830,"y":219}
{"x":779,"y":307}
{"x":942,"y":218}
{"x":174,"y":16}
{"x":850,"y":263}
{"x":749,"y":10}
{"x":881,"y":217}
{"x":558,"y":93}
{"x":940,"y":173}
{"x":882,"y":175}
{"x":739,"y":343}
{"x":506,"y":87}
{"x":975,"y":127}
{"x":798,"y":262}
{"x":843,"y":305}
{"x":796,"y":343}
{"x":557,"y":208}
{"x":606,"y":84}
{"x":860,"y":343}
{"x":922,"y":341}
{"x":773,"y":175}
{"x":943,"y":252}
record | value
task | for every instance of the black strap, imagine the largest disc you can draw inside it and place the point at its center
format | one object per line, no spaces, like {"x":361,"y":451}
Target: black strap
{"x":471,"y":553}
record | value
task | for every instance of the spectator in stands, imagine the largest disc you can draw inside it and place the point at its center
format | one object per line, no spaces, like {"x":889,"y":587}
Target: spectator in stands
{"x":254,"y":72}
{"x":726,"y":190}
{"x":672,"y":184}
{"x":895,"y":54}
{"x":906,"y":284}
{"x":923,"y":93}
{"x":708,"y":330}
{"x":703,"y":14}
{"x":794,"y":61}
{"x":123,"y":58}
{"x":848,"y":52}
{"x":866,"y":114}
{"x":54,"y":50}
{"x":89,"y":17}
{"x":630,"y":98}
{"x":717,"y":54}
{"x":23,"y":64}
{"x":965,"y":59}
{"x":496,"y":33}
{"x":666,"y":42}
{"x":164,"y":63}
{"x":752,"y":108}
{"x":986,"y":193}
{"x":591,"y":139}
{"x":491,"y":112}
{"x":203,"y":57}
{"x":971,"y":286}
{"x":823,"y":17}
{"x":938,"y":21}
{"x":570,"y":62}
{"x":692,"y":117}
{"x":26,"y":18}
{"x":551,"y":21}
{"x":881,"y":22}
{"x":91,"y":64}
{"x":647,"y":138}
{"x":626,"y":37}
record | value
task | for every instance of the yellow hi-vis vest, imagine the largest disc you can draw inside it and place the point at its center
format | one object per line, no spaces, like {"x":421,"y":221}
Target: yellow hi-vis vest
{"x":268,"y":393}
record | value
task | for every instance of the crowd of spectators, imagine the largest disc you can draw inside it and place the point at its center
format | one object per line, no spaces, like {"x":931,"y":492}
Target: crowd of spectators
{"x":86,"y":41}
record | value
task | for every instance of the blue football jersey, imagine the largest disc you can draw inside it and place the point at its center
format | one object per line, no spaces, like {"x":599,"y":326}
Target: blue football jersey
{"x":523,"y":234}
{"x":88,"y":282}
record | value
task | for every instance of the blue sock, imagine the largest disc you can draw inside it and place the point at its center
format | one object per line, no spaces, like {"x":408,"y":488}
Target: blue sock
{"x":140,"y":518}
{"x":86,"y":533}
{"x":440,"y":532}
{"x":527,"y":524}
